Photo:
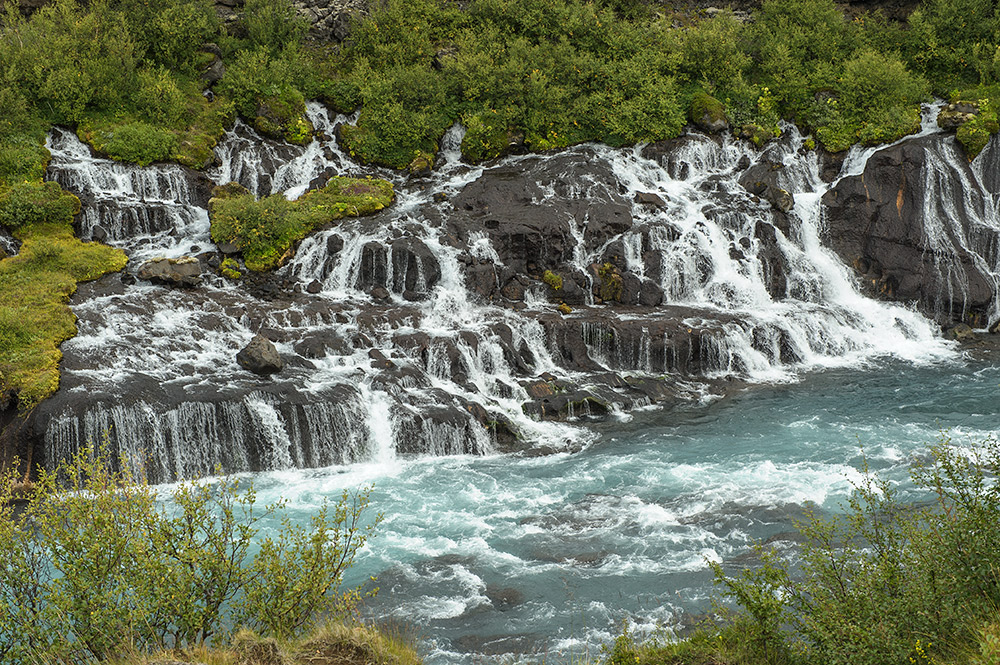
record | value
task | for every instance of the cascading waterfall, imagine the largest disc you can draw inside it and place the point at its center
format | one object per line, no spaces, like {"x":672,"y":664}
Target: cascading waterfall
{"x":394,"y":351}
{"x":147,"y":211}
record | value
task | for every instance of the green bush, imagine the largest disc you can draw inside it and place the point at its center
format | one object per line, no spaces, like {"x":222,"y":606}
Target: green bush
{"x":273,"y":24}
{"x":888,"y":582}
{"x":27,"y":203}
{"x":138,"y":142}
{"x":107,"y":568}
{"x":158,"y":97}
{"x":179,"y":29}
{"x":976,"y":133}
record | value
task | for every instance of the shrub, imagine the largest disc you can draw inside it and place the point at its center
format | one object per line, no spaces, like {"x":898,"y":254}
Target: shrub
{"x":888,"y":582}
{"x":179,"y":29}
{"x":106,"y":568}
{"x":158,"y":98}
{"x":138,"y":142}
{"x":29,"y":203}
{"x":273,"y":24}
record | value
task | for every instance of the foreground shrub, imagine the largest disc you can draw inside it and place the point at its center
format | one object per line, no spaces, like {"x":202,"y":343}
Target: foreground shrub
{"x":97,"y":565}
{"x":886,"y":583}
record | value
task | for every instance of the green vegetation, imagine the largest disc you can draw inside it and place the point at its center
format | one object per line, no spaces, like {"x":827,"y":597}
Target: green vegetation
{"x":108,"y":570}
{"x":36,"y":284}
{"x":265,"y":230}
{"x":554,"y":280}
{"x":230,"y":269}
{"x":887,"y":583}
{"x":519,"y":74}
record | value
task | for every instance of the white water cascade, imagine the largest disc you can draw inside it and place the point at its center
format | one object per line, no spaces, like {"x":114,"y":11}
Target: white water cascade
{"x":427,"y":330}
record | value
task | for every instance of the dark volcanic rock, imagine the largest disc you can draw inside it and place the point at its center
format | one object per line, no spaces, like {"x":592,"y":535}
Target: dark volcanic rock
{"x":763,"y":179}
{"x":905,"y":241}
{"x":260,"y":356}
{"x":414,"y":267}
{"x":531,"y":210}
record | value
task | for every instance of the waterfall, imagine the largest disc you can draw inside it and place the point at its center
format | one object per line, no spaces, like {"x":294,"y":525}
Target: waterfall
{"x":151,"y":211}
{"x":427,"y":329}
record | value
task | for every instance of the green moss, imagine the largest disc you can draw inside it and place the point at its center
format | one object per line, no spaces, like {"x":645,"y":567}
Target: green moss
{"x":554,"y":281}
{"x":137,"y":142}
{"x":266,"y":230}
{"x":705,"y":108}
{"x":230,"y":269}
{"x":611,"y":283}
{"x":34,"y":317}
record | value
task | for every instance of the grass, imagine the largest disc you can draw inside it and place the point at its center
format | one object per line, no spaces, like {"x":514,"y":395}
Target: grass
{"x":35,"y":319}
{"x":331,"y":644}
{"x":266,"y":230}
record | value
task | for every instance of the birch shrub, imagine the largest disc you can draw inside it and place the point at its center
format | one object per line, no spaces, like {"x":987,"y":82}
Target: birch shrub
{"x":95,"y":564}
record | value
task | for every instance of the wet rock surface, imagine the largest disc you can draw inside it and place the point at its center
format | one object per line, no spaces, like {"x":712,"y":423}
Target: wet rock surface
{"x":909,"y":245}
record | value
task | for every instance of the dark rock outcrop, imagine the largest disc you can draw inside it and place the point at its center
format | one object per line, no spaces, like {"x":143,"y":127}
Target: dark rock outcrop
{"x":531,"y":210}
{"x":763,"y":179}
{"x":904,"y":230}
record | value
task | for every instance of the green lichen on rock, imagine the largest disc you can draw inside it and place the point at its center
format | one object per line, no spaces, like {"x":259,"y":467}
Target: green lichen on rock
{"x":708,"y":113}
{"x":265,"y":230}
{"x":610,"y":288}
{"x":554,"y":280}
{"x":230,"y":269}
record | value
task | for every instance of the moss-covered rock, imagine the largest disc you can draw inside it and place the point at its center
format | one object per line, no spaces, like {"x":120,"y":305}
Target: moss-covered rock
{"x":283,"y":117}
{"x":976,"y":131}
{"x":264,"y":231}
{"x":708,"y":113}
{"x":554,"y":280}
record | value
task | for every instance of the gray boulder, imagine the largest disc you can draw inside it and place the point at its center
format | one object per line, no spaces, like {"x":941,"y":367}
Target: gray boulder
{"x":260,"y":356}
{"x":185,"y":271}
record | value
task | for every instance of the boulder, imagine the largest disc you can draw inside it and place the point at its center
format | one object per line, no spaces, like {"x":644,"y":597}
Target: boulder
{"x":185,"y":271}
{"x":955,"y":115}
{"x":260,"y":356}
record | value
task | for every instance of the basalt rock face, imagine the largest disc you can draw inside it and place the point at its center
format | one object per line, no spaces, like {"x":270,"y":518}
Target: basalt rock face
{"x":487,"y":301}
{"x":538,"y":212}
{"x":910,"y":225}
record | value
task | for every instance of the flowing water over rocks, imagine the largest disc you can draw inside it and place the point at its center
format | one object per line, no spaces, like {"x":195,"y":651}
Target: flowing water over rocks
{"x":686,"y":269}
